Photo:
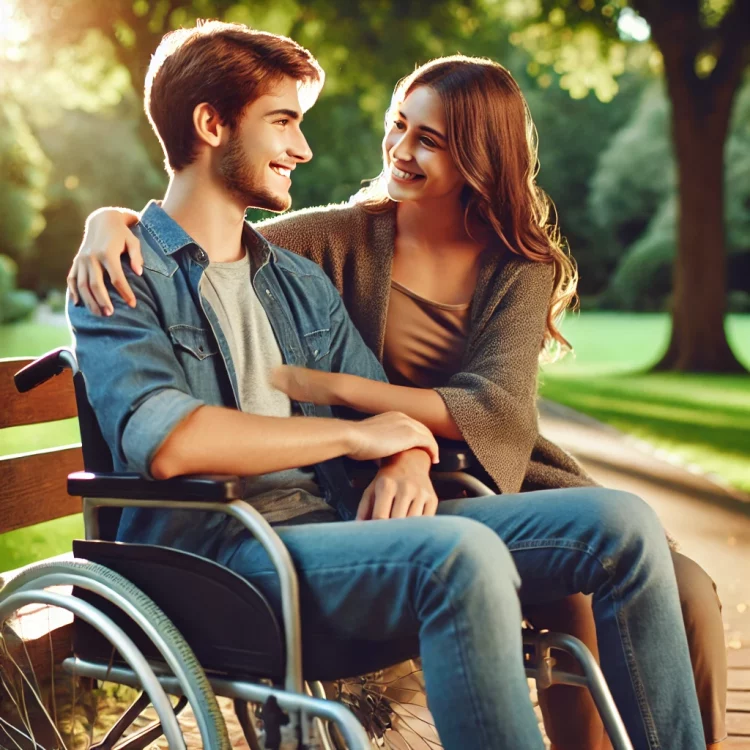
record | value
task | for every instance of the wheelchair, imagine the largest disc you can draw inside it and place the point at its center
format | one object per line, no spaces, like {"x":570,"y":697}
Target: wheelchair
{"x":169,"y":623}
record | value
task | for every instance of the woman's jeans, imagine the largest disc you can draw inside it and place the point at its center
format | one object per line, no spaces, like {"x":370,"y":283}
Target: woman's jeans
{"x":451,"y":581}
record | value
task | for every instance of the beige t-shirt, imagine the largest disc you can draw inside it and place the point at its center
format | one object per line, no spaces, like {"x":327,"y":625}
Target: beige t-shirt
{"x":286,"y":496}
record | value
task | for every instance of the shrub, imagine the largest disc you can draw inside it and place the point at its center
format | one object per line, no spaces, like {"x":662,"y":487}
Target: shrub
{"x":643,"y":277}
{"x":15,"y":304}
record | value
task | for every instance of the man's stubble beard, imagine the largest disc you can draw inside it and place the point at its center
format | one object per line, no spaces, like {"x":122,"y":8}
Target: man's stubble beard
{"x":239,"y":180}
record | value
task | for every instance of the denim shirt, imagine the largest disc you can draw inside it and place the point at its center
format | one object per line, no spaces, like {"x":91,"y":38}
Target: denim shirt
{"x":147,"y":368}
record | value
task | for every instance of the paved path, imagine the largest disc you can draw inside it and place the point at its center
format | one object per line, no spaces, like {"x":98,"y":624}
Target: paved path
{"x":711,"y":523}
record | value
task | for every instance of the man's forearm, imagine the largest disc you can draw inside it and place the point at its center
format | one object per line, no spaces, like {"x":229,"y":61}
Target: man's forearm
{"x":216,"y":440}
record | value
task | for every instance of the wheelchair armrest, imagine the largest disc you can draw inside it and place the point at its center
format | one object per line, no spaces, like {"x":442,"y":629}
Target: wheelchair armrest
{"x":207,"y":492}
{"x":44,"y":368}
{"x":454,"y":456}
{"x":127,"y":486}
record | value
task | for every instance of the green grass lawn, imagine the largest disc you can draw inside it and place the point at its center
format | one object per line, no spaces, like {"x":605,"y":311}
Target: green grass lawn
{"x":703,"y":419}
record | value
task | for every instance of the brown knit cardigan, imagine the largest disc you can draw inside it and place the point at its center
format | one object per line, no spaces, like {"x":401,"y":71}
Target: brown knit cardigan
{"x":492,"y":397}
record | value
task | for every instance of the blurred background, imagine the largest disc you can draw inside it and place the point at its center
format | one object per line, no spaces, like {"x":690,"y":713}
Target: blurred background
{"x":663,"y":338}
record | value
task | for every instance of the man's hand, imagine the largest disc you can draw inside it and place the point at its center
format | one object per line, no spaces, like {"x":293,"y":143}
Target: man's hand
{"x":401,"y":488}
{"x":106,"y":238}
{"x":388,"y":434}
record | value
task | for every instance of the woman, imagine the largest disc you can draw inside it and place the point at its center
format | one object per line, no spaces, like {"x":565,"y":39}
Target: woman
{"x":455,"y":274}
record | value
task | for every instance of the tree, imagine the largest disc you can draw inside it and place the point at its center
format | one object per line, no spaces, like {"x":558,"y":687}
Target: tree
{"x":364,"y":47}
{"x":633,"y":201}
{"x":704,"y":47}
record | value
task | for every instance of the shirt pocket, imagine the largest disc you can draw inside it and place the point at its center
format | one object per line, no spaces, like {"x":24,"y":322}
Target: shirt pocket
{"x":196,"y":341}
{"x":317,"y":343}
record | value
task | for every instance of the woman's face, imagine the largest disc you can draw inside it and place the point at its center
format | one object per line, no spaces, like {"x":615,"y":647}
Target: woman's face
{"x":419,"y":165}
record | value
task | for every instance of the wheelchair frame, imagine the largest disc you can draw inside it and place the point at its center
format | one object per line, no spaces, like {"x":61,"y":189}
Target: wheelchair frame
{"x":107,"y":489}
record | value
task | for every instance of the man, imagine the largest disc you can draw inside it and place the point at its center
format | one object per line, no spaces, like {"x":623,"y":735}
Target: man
{"x":178,"y":383}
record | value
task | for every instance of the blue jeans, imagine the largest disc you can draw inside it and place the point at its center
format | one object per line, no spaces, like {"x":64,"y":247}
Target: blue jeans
{"x":451,"y":581}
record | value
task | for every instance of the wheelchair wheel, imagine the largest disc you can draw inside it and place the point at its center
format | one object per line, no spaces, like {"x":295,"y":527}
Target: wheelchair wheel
{"x":44,"y":706}
{"x":392,"y":707}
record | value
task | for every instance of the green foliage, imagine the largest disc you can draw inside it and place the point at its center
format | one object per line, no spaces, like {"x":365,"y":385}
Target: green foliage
{"x":24,"y":170}
{"x":85,"y":76}
{"x":635,"y":173}
{"x":346,"y":142}
{"x":572,"y":135}
{"x":109,"y":154}
{"x":99,"y":159}
{"x":738,"y":173}
{"x":77,"y":144}
{"x":580,"y":43}
{"x":79,"y":85}
{"x":643,"y":279}
{"x":15,"y":304}
{"x":633,"y":200}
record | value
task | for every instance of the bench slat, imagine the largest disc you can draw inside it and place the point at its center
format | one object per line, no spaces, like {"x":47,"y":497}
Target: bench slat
{"x":50,"y":401}
{"x":34,"y":487}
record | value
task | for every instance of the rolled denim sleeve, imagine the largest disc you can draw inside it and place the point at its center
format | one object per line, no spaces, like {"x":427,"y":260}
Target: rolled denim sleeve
{"x":349,"y":353}
{"x":134,"y":381}
{"x":152,"y":423}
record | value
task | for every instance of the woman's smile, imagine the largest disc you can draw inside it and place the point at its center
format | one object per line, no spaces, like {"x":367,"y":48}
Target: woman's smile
{"x":403,"y":175}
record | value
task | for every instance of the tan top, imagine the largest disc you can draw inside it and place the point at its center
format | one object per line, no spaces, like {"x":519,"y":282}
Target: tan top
{"x":492,"y":396}
{"x":424,"y":340}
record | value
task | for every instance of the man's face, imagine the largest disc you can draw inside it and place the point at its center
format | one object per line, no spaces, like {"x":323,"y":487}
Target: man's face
{"x":263,"y":149}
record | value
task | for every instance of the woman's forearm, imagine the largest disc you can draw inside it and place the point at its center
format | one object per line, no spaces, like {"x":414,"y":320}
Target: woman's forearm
{"x":372,"y":397}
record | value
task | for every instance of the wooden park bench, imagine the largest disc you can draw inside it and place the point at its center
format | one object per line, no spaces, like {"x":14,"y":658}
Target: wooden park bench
{"x":33,"y":489}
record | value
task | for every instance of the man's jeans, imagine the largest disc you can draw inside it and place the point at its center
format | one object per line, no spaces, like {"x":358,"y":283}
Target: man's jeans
{"x":450,"y":580}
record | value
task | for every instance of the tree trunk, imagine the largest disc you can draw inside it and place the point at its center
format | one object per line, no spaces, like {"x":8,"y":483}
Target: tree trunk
{"x":700,"y":122}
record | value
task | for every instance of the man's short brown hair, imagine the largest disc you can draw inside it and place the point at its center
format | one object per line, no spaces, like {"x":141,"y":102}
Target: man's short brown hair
{"x":226,"y":65}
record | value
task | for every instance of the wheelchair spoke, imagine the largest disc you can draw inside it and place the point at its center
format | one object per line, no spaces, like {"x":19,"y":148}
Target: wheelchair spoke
{"x":25,"y":699}
{"x":130,"y":715}
{"x":245,"y":719}
{"x":392,"y":707}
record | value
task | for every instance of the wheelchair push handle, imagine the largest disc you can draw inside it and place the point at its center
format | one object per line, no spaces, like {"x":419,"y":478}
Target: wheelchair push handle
{"x":43,"y":369}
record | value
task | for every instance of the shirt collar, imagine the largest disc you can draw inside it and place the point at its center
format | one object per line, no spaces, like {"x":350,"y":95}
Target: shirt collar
{"x":172,"y":237}
{"x":257,"y":244}
{"x":167,"y":232}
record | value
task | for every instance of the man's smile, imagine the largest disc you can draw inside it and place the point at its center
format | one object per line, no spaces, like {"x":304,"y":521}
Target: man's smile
{"x":282,"y":170}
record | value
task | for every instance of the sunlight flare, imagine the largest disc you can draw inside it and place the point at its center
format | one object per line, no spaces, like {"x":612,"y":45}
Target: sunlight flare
{"x":14,"y":31}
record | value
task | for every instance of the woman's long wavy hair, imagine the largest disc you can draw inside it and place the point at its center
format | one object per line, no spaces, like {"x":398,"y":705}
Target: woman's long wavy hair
{"x":493,"y":142}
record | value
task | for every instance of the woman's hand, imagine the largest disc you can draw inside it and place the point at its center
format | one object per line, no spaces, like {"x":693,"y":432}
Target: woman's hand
{"x":106,"y":238}
{"x":402,"y":488}
{"x":313,"y":386}
{"x":386,"y":435}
